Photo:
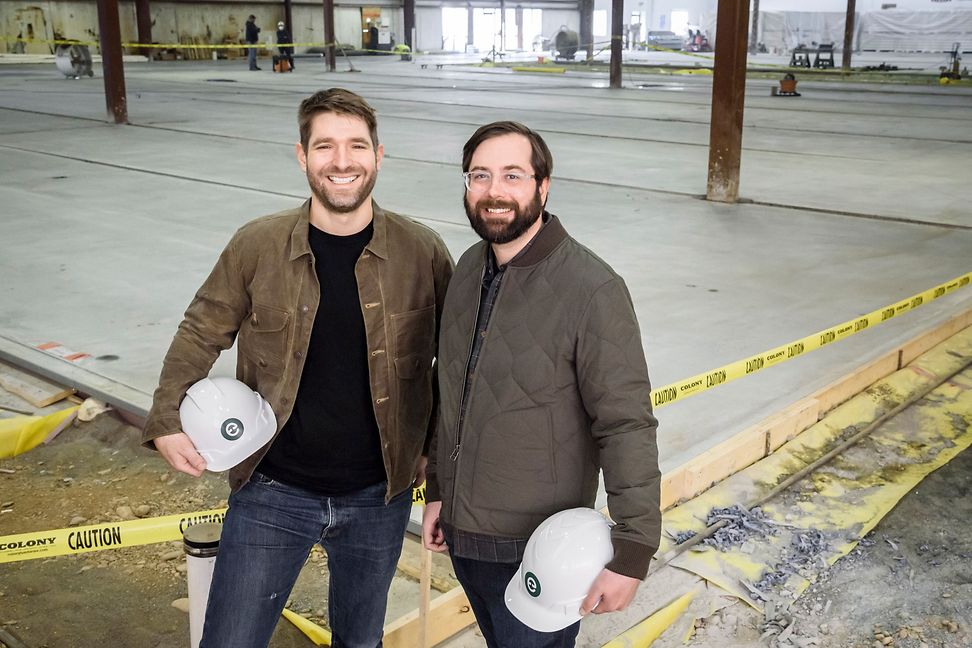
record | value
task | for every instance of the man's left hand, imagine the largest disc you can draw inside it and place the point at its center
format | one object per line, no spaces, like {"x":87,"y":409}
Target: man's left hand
{"x":609,"y":593}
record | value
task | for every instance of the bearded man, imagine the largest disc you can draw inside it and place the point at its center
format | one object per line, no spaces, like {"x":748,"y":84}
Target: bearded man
{"x":543,"y":383}
{"x":335,"y":308}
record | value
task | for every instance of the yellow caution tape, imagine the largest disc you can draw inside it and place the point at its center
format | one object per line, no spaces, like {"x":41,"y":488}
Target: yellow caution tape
{"x":63,"y":41}
{"x":94,"y":537}
{"x":114,"y":535}
{"x":320,"y":636}
{"x":536,"y":68}
{"x":44,"y":544}
{"x":645,"y":633}
{"x":703,"y":382}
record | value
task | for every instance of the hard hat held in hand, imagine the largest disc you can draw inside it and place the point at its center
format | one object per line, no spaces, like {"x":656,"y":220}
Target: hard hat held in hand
{"x":562,"y":558}
{"x":226,"y":421}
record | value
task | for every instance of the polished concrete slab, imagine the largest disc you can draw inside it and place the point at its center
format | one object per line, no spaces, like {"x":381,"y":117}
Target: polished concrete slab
{"x":856,"y":196}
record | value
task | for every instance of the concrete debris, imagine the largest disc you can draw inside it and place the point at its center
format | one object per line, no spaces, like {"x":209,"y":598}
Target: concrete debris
{"x":803,"y":554}
{"x":742,"y":525}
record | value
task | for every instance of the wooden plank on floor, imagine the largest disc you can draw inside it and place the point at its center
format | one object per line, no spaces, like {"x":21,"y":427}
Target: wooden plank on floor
{"x":36,"y":391}
{"x":916,"y":347}
{"x":854,"y":383}
{"x":448,"y":615}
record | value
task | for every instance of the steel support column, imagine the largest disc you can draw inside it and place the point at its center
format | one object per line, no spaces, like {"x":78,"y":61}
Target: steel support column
{"x":329,"y":40}
{"x":754,"y":37}
{"x":587,"y":27}
{"x":289,"y":18}
{"x":111,"y":60}
{"x":143,"y":22}
{"x":409,"y":9}
{"x":519,"y":27}
{"x":470,"y":34}
{"x":617,"y":27}
{"x":849,"y":34}
{"x":728,"y":95}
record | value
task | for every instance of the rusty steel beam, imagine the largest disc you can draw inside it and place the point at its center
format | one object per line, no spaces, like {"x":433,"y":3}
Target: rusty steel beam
{"x":849,"y":35}
{"x":329,"y":40}
{"x":617,"y":27}
{"x":728,"y":95}
{"x":111,"y":61}
{"x":289,"y":18}
{"x":143,"y":22}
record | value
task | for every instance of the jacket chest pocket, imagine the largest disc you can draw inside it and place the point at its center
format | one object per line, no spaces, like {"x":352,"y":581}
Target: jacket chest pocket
{"x":414,"y":333}
{"x":264,"y":338}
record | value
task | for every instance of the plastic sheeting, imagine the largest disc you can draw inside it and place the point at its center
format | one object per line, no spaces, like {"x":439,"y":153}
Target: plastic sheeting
{"x":915,"y":31}
{"x":898,"y":31}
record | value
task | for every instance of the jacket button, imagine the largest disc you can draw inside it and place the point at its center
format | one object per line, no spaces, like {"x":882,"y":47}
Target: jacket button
{"x":377,"y":352}
{"x":379,"y":401}
{"x":305,"y":308}
{"x":371,"y":304}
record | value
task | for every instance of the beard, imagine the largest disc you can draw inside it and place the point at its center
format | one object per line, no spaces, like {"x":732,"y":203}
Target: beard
{"x":343,"y":202}
{"x":501,"y":232}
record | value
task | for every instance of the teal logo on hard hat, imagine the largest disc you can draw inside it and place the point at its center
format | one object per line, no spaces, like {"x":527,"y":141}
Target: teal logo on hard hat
{"x":231,"y":429}
{"x":532,"y":584}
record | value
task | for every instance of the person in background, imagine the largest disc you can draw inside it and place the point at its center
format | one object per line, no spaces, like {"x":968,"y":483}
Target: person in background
{"x":284,"y":38}
{"x":252,"y":38}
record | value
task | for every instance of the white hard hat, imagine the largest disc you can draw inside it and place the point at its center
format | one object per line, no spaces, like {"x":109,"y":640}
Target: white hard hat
{"x":562,"y":558}
{"x":280,"y":24}
{"x":226,"y":420}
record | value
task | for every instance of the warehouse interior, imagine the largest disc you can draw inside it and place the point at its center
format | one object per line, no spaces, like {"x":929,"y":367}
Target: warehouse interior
{"x":746,"y":216}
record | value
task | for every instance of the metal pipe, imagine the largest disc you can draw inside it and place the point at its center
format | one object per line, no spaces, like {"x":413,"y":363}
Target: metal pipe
{"x":329,"y":49}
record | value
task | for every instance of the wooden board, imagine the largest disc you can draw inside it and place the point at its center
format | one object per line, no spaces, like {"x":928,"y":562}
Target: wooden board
{"x":757,"y":441}
{"x":36,"y":391}
{"x":448,"y":615}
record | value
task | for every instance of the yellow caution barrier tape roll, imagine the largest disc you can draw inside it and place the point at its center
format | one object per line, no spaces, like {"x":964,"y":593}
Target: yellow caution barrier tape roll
{"x":703,"y":382}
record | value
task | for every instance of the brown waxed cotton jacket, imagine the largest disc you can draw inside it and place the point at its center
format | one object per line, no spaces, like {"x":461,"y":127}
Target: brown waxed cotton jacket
{"x":264,"y":293}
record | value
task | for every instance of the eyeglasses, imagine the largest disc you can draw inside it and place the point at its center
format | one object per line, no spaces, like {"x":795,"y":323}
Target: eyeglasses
{"x":482,"y":180}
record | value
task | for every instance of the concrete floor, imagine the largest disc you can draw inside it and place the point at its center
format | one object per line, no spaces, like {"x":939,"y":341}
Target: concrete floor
{"x":856,"y":196}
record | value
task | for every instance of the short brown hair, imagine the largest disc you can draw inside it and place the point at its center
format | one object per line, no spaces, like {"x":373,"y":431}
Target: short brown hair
{"x":541,"y":159}
{"x":335,"y":100}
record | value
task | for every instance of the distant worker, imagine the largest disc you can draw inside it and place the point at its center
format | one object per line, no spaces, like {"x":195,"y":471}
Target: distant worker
{"x":284,"y":38}
{"x":252,"y":38}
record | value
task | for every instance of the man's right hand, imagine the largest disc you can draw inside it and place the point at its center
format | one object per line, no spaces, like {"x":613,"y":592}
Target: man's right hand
{"x":181,"y":454}
{"x":432,"y":536}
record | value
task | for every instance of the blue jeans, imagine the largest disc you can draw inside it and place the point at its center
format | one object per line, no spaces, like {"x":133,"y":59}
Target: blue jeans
{"x":485,"y":585}
{"x":251,"y":56}
{"x":267,"y":534}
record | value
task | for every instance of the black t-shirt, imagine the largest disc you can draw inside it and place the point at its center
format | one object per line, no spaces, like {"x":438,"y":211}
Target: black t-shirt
{"x":330,"y":444}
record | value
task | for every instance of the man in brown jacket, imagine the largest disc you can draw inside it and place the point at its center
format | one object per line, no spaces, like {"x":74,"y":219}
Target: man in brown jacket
{"x":335,"y":308}
{"x":543,"y":382}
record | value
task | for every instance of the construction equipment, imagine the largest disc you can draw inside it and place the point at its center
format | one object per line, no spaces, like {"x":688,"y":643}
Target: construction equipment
{"x":951,"y":69}
{"x":74,"y":61}
{"x":787,"y":87}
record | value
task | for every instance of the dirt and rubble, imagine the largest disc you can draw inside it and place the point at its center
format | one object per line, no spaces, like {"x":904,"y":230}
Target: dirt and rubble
{"x":907,"y":584}
{"x":131,"y":597}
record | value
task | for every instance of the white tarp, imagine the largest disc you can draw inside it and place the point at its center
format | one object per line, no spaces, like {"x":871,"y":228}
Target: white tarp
{"x":784,"y":30}
{"x":915,"y":31}
{"x":888,"y":30}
